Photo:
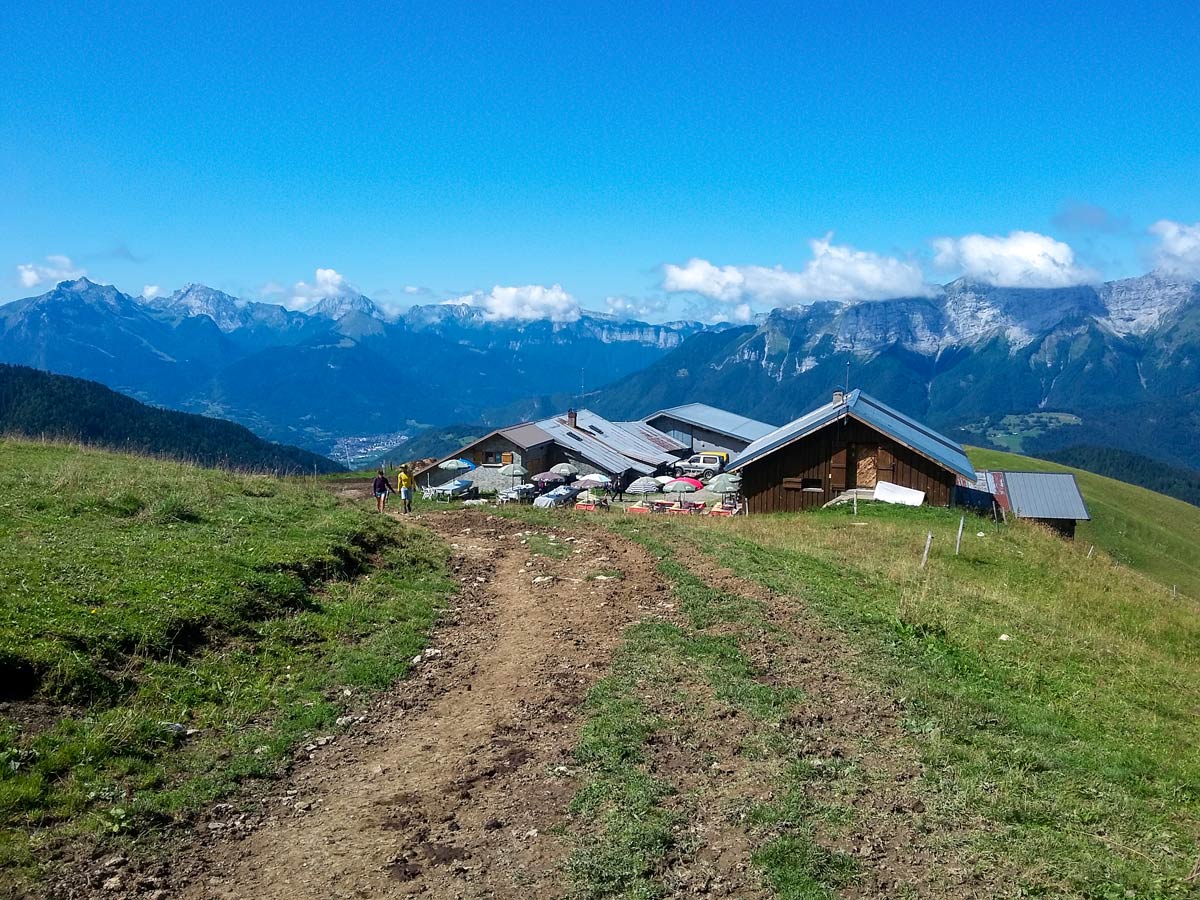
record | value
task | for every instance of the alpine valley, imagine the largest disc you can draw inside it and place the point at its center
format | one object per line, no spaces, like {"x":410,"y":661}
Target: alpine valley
{"x":1035,"y":370}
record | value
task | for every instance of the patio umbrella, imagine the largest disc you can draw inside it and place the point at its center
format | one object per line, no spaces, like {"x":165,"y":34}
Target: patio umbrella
{"x":594,"y":480}
{"x":682,"y":486}
{"x":726,"y":483}
{"x":547,"y":477}
{"x":513,"y":471}
{"x":565,"y":469}
{"x":645,"y":485}
{"x":664,"y":479}
{"x":453,"y":465}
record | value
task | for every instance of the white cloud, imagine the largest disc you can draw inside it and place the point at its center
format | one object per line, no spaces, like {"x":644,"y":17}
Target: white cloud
{"x":836,"y":272}
{"x":525,"y":303}
{"x":1178,"y":252}
{"x":636,"y":307}
{"x":151,"y":291}
{"x":327,"y":283}
{"x":55,"y":268}
{"x":1021,"y":259}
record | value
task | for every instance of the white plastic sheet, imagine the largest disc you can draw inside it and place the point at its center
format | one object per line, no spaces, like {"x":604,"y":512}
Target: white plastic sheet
{"x":886,"y":492}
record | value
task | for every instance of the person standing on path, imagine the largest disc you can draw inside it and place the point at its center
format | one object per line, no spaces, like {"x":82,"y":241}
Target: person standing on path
{"x":381,"y":488}
{"x":405,"y":482}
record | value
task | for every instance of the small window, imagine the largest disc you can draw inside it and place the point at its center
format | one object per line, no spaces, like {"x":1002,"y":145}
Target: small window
{"x":493,"y":458}
{"x":811,"y":484}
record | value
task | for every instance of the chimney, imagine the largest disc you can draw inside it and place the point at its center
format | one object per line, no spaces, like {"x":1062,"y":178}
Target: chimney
{"x":838,"y":395}
{"x":572,"y":418}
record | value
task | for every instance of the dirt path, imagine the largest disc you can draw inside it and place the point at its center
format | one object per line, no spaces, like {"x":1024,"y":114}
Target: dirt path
{"x":448,"y":789}
{"x":457,"y":783}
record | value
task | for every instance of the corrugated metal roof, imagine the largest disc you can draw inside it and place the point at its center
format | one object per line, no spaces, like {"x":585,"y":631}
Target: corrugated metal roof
{"x":590,"y":448}
{"x":526,"y":435}
{"x":912,"y":434}
{"x":660,"y":439}
{"x":719,"y":420}
{"x":1043,"y":495}
{"x":625,"y":442}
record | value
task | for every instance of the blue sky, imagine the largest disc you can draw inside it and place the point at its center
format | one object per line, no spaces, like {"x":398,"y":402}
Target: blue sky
{"x":658,"y":159}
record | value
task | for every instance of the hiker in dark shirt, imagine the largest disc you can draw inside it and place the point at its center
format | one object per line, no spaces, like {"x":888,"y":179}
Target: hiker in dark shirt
{"x":382,"y":488}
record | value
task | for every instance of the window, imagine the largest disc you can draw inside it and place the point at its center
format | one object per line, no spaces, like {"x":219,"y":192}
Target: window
{"x":493,"y":458}
{"x":811,"y":484}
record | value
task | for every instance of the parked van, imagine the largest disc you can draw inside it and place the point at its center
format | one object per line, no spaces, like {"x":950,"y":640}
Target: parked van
{"x":703,"y":465}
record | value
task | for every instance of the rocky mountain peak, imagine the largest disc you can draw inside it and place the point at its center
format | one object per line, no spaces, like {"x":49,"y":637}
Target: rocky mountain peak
{"x":344,"y":304}
{"x":1139,"y":305}
{"x":201,"y":300}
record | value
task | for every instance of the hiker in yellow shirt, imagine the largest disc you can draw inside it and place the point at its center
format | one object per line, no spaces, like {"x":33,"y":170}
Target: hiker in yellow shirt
{"x":405,"y":482}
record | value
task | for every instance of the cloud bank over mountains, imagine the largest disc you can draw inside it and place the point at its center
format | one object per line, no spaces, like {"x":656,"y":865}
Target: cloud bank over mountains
{"x":523,"y":303}
{"x":1178,"y":252}
{"x":836,"y":272}
{"x":51,"y":270}
{"x":736,"y":292}
{"x":1021,"y":259}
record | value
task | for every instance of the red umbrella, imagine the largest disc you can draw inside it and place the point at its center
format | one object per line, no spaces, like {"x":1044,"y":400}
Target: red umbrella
{"x":694,"y":482}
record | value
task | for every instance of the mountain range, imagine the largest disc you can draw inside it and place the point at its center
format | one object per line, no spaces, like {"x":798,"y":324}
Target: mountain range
{"x":1110,"y":365}
{"x":1119,"y":361}
{"x":341,"y":368}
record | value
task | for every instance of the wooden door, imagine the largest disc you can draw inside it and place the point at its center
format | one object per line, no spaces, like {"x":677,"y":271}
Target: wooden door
{"x":865,"y":465}
{"x":838,"y":470}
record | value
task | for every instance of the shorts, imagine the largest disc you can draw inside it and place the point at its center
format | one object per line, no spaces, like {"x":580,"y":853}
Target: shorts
{"x":405,"y":493}
{"x":379,"y":494}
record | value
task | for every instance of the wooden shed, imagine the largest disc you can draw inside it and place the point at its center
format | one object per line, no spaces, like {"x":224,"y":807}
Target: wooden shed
{"x":852,"y":442}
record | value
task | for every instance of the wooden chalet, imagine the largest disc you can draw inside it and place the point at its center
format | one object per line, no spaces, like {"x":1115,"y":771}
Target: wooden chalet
{"x":852,"y":442}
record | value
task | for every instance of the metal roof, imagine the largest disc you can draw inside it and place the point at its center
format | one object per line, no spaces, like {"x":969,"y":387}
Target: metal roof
{"x":1042,"y":495}
{"x":625,"y":442}
{"x":660,"y":439}
{"x":940,"y":449}
{"x":719,"y":420}
{"x":589,"y":446}
{"x":526,"y":435}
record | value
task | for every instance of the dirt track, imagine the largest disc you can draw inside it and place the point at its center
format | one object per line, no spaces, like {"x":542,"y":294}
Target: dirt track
{"x":449,"y":788}
{"x":457,"y":783}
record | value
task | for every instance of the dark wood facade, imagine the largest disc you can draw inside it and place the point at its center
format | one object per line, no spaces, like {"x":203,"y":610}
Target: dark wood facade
{"x":813,"y":470}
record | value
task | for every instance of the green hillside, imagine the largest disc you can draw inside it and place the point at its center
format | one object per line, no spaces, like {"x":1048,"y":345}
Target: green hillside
{"x":1154,"y":534}
{"x":168,"y":632}
{"x":1152,"y":474}
{"x":40,"y":405}
{"x":1050,"y":696}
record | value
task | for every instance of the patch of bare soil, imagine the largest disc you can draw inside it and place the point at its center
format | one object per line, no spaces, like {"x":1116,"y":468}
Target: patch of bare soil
{"x":450,"y":787}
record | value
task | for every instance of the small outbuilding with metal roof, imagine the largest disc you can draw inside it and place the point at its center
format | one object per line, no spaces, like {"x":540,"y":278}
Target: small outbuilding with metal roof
{"x":1051,"y":499}
{"x":855,"y":441}
{"x":699,"y":426}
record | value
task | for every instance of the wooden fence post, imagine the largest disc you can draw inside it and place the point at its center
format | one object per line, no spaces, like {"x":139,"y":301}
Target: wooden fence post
{"x":925,"y":555}
{"x":958,"y":542}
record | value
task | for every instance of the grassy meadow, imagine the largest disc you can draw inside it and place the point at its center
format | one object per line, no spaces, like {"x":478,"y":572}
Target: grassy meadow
{"x":168,"y":632}
{"x":1155,"y":535}
{"x":1053,"y":698}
